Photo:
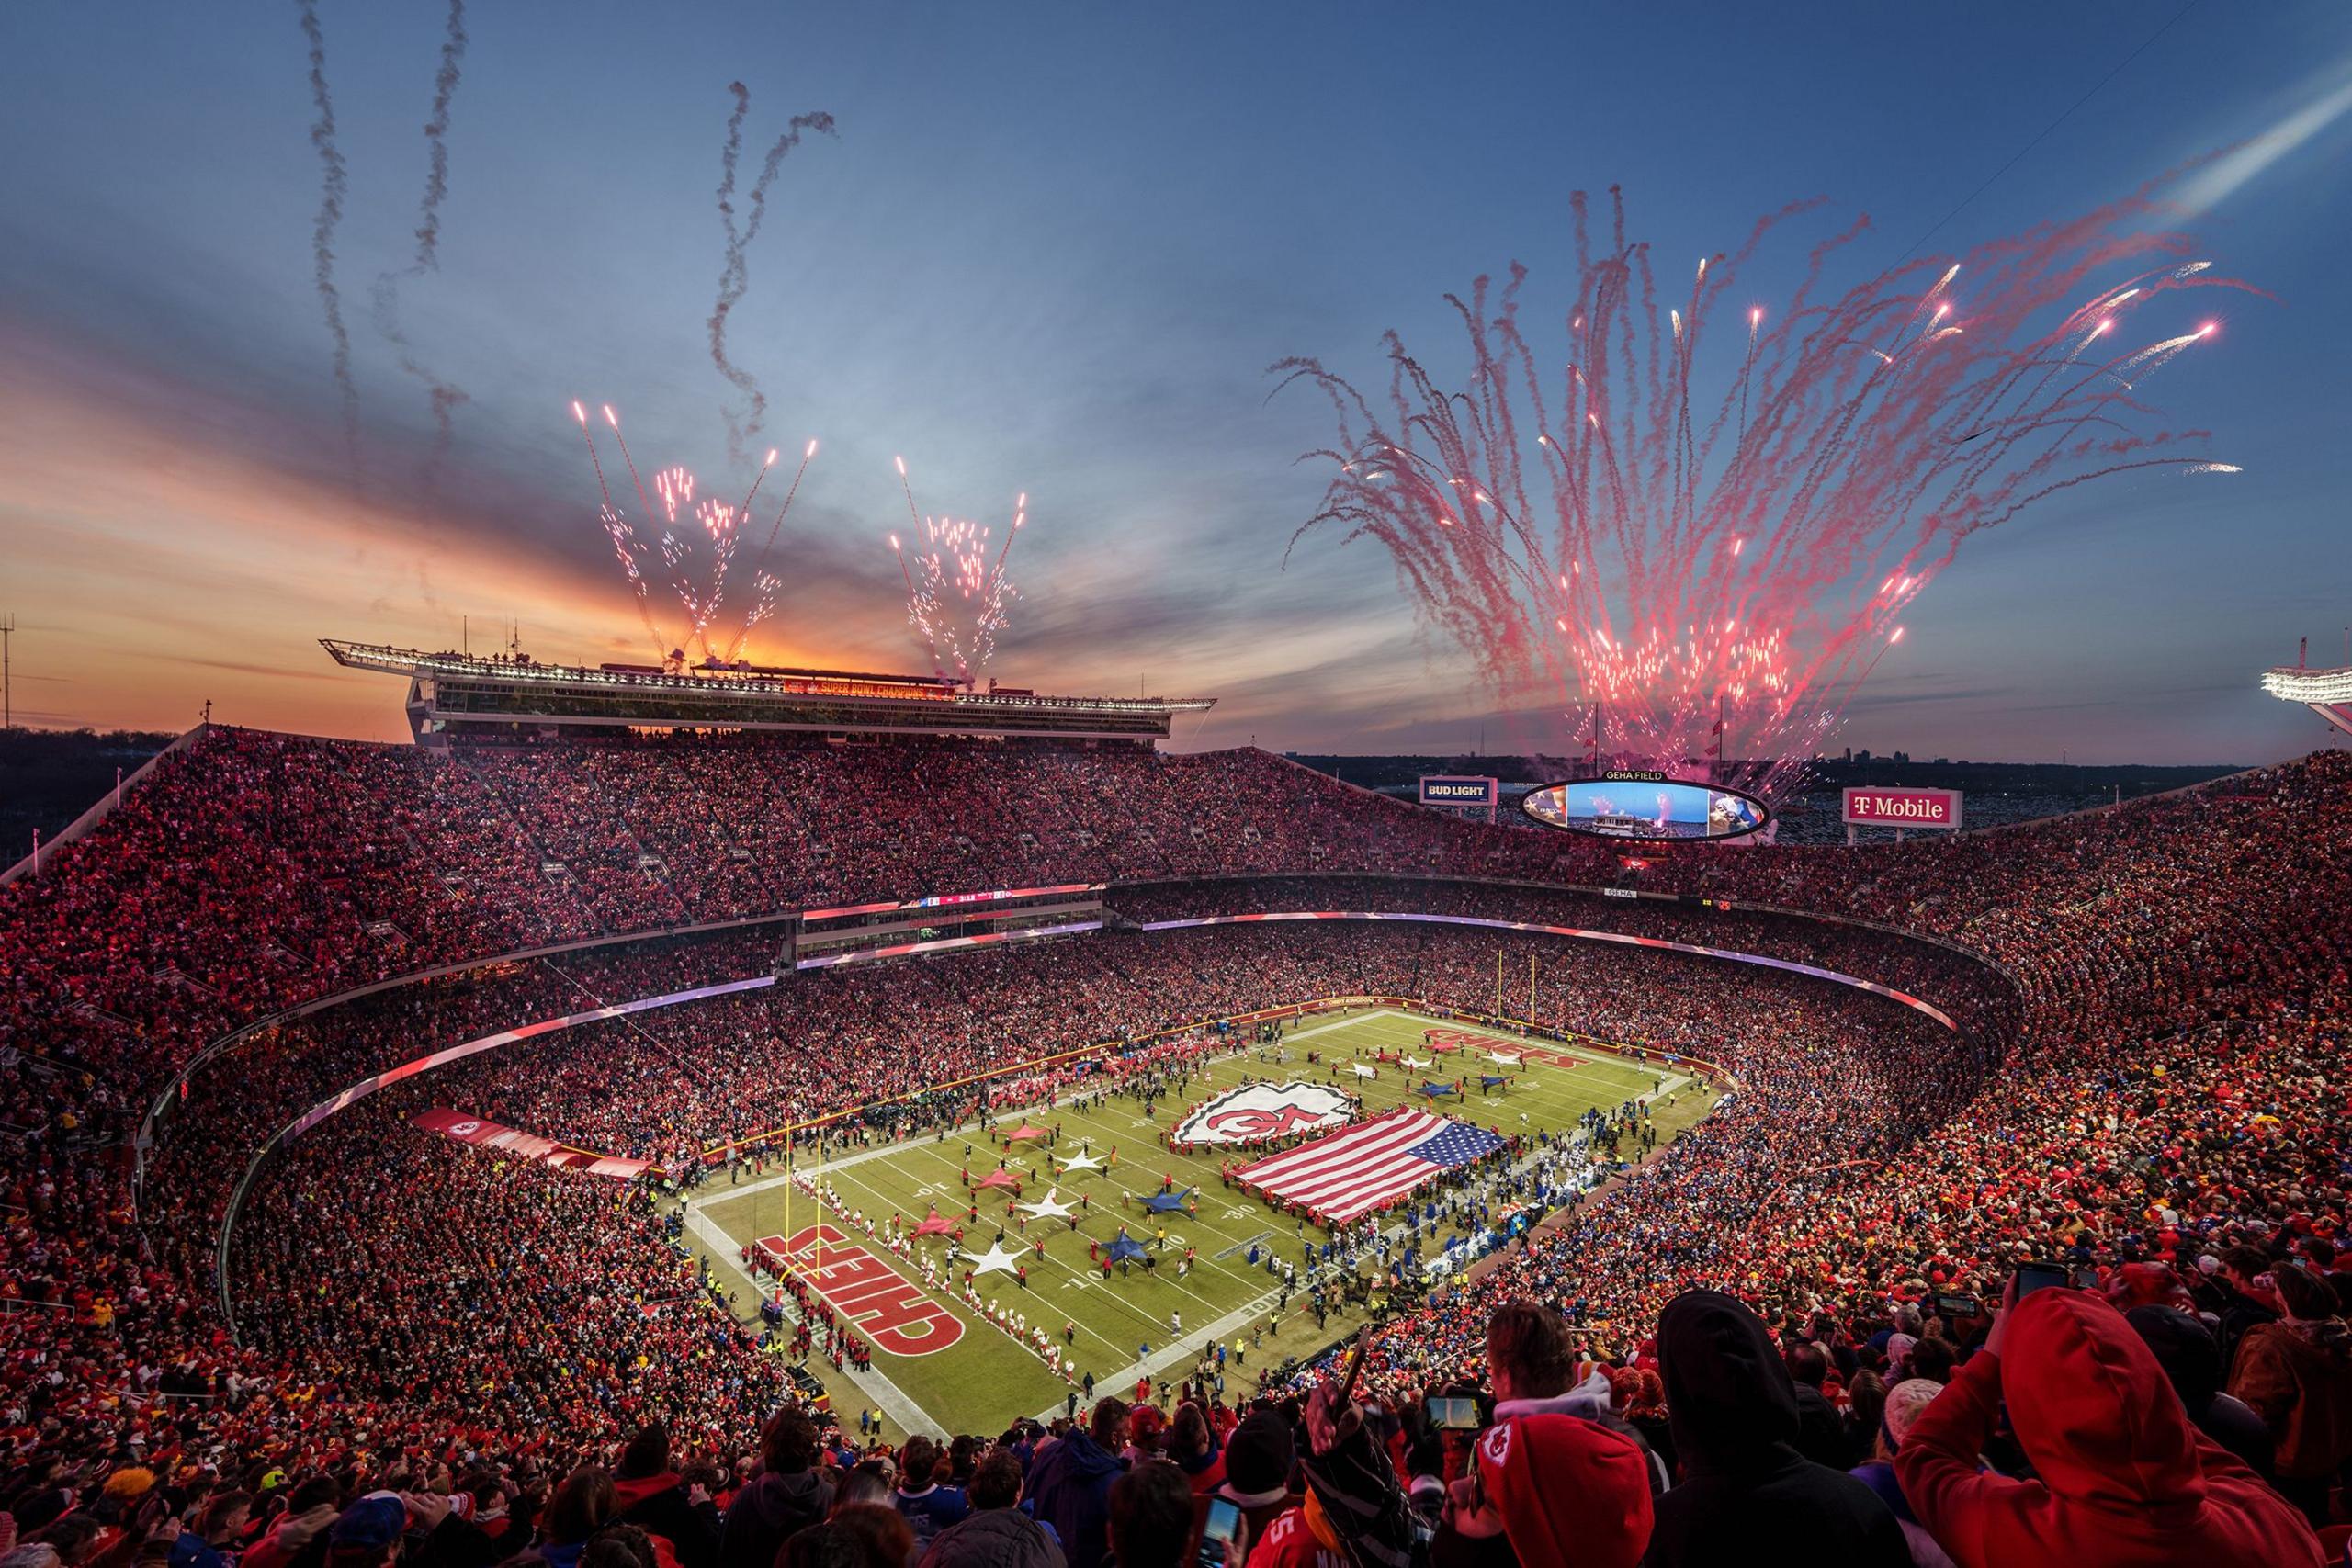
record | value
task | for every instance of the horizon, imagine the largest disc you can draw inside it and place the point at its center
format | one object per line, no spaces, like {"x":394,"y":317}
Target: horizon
{"x":1859,"y":759}
{"x":1052,"y":258}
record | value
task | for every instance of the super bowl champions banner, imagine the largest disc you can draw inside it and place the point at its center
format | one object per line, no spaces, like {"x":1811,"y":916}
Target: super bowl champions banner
{"x":1262,"y":1112}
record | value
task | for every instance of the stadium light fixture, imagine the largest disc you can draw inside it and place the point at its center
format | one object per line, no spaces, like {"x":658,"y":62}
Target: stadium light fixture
{"x":2327,"y":692}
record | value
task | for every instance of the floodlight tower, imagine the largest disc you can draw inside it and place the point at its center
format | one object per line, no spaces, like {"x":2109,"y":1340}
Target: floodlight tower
{"x":2327,"y":692}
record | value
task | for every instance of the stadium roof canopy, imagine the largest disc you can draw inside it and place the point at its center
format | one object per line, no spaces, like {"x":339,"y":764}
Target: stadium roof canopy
{"x":459,"y":693}
{"x":2327,"y":692}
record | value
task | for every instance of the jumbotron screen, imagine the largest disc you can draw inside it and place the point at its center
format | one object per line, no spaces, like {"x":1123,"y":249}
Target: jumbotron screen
{"x":1631,"y":804}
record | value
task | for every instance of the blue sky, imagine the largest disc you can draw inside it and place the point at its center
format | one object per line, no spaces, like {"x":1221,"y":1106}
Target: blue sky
{"x":1051,"y":249}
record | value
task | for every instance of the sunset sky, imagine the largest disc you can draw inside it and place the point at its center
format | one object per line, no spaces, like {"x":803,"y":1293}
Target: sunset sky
{"x":1051,"y":249}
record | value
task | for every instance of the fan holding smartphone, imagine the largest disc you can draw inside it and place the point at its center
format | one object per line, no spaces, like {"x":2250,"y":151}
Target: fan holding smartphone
{"x":2028,"y":1278}
{"x":1219,"y":1533}
{"x":1453,"y":1412}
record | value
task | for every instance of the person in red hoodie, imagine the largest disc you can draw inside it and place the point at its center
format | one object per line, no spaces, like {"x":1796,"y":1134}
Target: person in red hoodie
{"x":2125,"y":1480}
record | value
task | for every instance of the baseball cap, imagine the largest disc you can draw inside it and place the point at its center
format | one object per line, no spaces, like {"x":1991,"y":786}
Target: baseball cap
{"x":375,"y":1520}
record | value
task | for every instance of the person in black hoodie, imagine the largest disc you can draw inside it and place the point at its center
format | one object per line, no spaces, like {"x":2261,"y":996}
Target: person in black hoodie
{"x":1747,"y":1495}
{"x":785,"y":1497}
{"x":655,"y":1498}
{"x":2191,"y":1358}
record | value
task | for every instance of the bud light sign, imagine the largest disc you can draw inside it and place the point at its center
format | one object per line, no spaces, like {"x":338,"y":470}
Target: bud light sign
{"x":1903,"y":808}
{"x":1443,"y":790}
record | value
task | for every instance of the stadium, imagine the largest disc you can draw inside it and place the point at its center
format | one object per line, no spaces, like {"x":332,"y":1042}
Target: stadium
{"x":1637,"y":907}
{"x":595,"y":1061}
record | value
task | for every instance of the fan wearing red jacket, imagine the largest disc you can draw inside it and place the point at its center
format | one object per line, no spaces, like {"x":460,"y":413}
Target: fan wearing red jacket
{"x":2124,"y":1480}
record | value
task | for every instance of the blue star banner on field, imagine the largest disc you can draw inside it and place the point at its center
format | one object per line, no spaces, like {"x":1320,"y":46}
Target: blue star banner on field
{"x":1434,"y":1090}
{"x":1169,"y":1202}
{"x":1370,"y":1165}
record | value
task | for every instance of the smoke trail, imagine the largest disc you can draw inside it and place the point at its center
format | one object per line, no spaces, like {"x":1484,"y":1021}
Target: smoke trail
{"x":334,"y":182}
{"x":727,"y":154}
{"x":443,"y":396}
{"x":733,"y":277}
{"x":436,"y":134}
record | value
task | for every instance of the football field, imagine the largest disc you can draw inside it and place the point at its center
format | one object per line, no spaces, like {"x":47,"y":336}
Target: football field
{"x":943,"y":1367}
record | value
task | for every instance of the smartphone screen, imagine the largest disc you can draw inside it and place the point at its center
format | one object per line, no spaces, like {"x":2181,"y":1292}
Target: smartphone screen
{"x":2032,"y":1277}
{"x":1217,"y":1532}
{"x":1453,"y":1414}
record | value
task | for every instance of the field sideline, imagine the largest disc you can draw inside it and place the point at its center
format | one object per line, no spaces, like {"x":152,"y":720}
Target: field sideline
{"x":985,"y":1378}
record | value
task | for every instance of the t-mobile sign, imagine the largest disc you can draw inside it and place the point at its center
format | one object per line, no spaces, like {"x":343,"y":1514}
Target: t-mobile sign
{"x":1903,"y":807}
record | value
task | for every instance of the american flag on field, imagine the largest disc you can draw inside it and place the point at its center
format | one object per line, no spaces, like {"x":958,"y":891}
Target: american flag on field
{"x":1374,"y":1162}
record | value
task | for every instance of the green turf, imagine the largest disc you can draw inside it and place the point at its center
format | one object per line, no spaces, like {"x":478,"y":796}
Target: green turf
{"x":986,"y":1379}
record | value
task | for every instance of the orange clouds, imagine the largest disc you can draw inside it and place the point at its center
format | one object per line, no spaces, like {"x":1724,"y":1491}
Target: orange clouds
{"x":158,"y":559}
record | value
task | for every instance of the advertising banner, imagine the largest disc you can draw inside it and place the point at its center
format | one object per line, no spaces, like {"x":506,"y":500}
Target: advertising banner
{"x":1443,"y":789}
{"x":1902,"y":808}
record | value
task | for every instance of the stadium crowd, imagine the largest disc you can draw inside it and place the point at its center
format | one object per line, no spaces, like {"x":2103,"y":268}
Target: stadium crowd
{"x":843,"y":1036}
{"x":407,"y":1198}
{"x":495,"y":1295}
{"x":2167,"y":1129}
{"x":253,"y":872}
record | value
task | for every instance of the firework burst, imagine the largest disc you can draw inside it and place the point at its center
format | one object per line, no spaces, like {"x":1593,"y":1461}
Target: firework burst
{"x":1588,"y":524}
{"x":957,"y":596}
{"x":688,"y":544}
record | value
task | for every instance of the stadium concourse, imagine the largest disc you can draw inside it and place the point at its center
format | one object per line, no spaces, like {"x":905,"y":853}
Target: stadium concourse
{"x":2143,"y":1080}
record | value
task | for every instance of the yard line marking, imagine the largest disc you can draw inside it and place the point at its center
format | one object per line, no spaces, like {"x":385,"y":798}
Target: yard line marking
{"x":1245,"y":1241}
{"x":1175,"y":1355}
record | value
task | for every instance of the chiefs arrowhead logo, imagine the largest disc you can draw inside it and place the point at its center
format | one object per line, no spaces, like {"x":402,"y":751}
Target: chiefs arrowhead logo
{"x":1260,"y":1112}
{"x":1496,"y":1443}
{"x":1255,"y":1123}
{"x":464,"y":1129}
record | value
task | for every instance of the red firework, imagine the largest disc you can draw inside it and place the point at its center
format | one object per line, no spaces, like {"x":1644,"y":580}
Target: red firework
{"x":1677,"y":563}
{"x":951,"y":567}
{"x":698,"y":576}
